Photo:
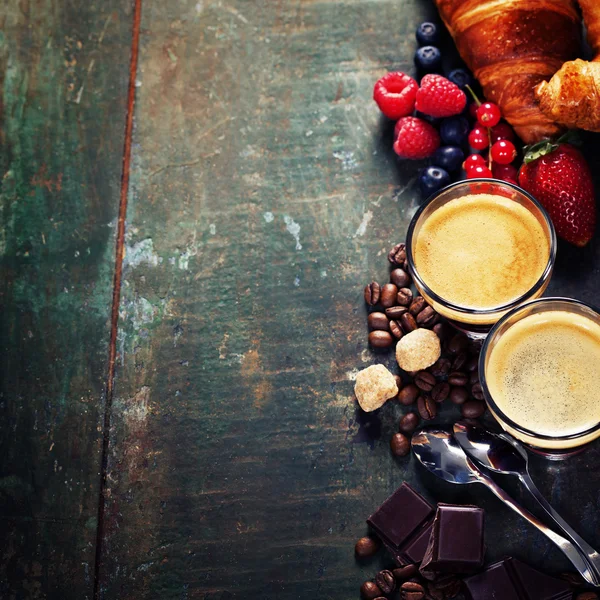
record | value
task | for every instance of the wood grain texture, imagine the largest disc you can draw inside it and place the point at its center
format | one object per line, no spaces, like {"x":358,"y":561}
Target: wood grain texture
{"x":63,"y":70}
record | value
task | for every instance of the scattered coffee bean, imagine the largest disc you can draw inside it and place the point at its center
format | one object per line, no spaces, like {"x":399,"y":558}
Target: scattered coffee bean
{"x":472,"y":409}
{"x":427,"y":408}
{"x":458,"y":378}
{"x":424,"y":381}
{"x":400,"y":278}
{"x":442,"y":331}
{"x":408,"y":322}
{"x":472,"y":364}
{"x":427,"y":317}
{"x":388,"y":295}
{"x":474,"y":378}
{"x":380,"y":339}
{"x":369,"y":590}
{"x":404,"y":573}
{"x":378,"y":321}
{"x":372,"y":293}
{"x":400,"y":446}
{"x":386,"y":582}
{"x":411,"y":590}
{"x":404,"y":297}
{"x":396,"y":329}
{"x":587,"y":596}
{"x":395,"y":312}
{"x":444,"y":589}
{"x":397,"y":255}
{"x":459,"y":395}
{"x":366,"y":547}
{"x":477,"y":391}
{"x":408,"y":423}
{"x":459,"y":361}
{"x":408,"y":394}
{"x":417,"y":305}
{"x":458,"y":343}
{"x":440,"y":391}
{"x":440,"y":368}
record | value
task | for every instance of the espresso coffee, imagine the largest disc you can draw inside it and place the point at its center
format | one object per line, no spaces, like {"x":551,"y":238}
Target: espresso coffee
{"x":481,"y":251}
{"x":543,"y":374}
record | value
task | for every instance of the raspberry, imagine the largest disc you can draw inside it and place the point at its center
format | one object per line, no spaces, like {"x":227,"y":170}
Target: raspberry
{"x":416,"y":138}
{"x":395,"y":94}
{"x":439,"y":97}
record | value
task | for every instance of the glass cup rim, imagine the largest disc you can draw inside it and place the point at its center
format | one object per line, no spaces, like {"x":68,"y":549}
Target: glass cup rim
{"x":482,"y":380}
{"x":485,"y":311}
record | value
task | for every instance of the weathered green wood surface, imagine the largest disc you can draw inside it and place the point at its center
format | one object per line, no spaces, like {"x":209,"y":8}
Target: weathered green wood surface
{"x":63,"y":75}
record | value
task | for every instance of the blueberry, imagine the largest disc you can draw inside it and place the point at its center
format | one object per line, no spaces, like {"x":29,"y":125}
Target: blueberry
{"x":428,"y":34}
{"x":461,"y":78}
{"x":454,"y":131}
{"x":428,"y":59}
{"x":433,"y":179}
{"x":435,"y":121}
{"x":449,"y":158}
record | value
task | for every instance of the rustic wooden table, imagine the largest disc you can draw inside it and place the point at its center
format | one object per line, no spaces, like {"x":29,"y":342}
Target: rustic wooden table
{"x":196,"y":436}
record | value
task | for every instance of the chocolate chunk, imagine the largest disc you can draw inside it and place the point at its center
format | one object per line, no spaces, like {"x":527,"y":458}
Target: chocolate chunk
{"x":511,"y":579}
{"x":403,"y":523}
{"x":456,"y":542}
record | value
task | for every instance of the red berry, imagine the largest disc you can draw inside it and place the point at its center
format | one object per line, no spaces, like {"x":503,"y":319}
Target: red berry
{"x":505,"y":172}
{"x":439,"y":97}
{"x":416,"y":138}
{"x":502,"y":131}
{"x":395,"y":94}
{"x":478,"y":138}
{"x":503,"y":152}
{"x":473,"y":110}
{"x":478,"y":171}
{"x":488,"y":114}
{"x":473,"y":160}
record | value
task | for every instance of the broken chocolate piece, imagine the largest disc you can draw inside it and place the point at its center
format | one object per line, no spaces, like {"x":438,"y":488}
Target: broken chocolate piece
{"x":511,"y":579}
{"x":403,"y":523}
{"x":456,"y":542}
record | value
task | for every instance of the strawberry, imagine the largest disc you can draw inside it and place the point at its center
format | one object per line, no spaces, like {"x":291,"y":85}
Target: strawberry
{"x":558,"y":176}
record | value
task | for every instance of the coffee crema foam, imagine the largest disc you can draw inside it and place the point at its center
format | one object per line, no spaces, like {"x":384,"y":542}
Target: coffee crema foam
{"x":481,"y":251}
{"x":543,"y":373}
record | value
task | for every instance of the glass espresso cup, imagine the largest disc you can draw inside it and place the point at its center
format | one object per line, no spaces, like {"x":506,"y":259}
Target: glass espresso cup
{"x":539,"y":369}
{"x":477,"y":249}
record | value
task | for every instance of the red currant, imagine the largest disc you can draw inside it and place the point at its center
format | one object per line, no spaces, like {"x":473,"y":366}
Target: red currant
{"x":473,"y":110}
{"x":505,"y":172}
{"x":503,"y":152}
{"x":502,"y":131}
{"x":478,"y":171}
{"x":488,"y":114}
{"x":478,"y":138}
{"x":473,"y":160}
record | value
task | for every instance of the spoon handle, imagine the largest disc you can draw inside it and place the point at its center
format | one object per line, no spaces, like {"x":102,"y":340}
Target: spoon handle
{"x":565,"y":545}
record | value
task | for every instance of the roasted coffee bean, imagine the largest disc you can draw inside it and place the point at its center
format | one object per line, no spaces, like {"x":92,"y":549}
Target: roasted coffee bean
{"x":424,"y":381}
{"x":369,"y":590}
{"x":477,"y":391}
{"x":427,"y":408}
{"x":396,"y":329}
{"x":411,"y":590}
{"x":474,"y":378}
{"x":408,"y":423}
{"x":458,"y":343}
{"x":427,"y":317}
{"x":388,"y":295}
{"x":444,"y":589}
{"x":400,"y":278}
{"x":378,"y":321}
{"x":417,"y":305}
{"x":587,"y":596}
{"x":440,"y":368}
{"x":440,"y":391}
{"x":458,"y":378}
{"x":385,"y":580}
{"x":404,"y":573}
{"x":408,"y":394}
{"x":408,"y":322}
{"x":459,"y":361}
{"x":372,"y":293}
{"x":472,"y":364}
{"x":400,"y":446}
{"x":395,"y":312}
{"x":472,"y":409}
{"x":459,"y":395}
{"x":442,"y":331}
{"x":366,"y":547}
{"x":397,"y":255}
{"x":380,"y":339}
{"x":404,"y":297}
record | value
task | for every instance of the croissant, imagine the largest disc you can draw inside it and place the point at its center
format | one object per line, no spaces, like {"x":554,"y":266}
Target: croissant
{"x":572,"y":96}
{"x":511,"y":46}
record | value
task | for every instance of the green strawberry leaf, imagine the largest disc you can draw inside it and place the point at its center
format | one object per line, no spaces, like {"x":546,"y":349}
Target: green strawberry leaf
{"x":537,"y":150}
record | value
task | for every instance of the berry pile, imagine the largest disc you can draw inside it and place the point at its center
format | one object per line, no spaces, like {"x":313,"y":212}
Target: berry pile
{"x":436,"y":121}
